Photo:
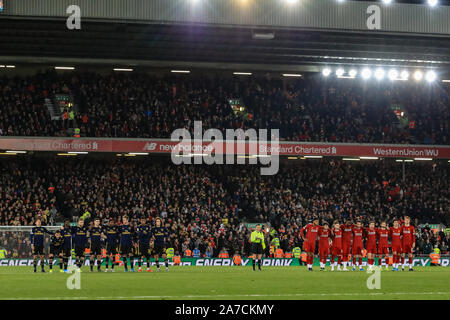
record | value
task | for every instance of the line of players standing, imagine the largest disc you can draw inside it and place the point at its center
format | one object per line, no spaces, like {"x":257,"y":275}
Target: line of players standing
{"x":348,"y":239}
{"x":141,"y":242}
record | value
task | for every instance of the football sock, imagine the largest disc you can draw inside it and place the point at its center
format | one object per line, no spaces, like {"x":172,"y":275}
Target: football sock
{"x":259,"y":264}
{"x":148,"y":261}
{"x":50,"y":263}
{"x":91,"y":264}
{"x":253,"y":264}
{"x":166,"y":262}
{"x":99,"y":263}
{"x":60,"y":263}
{"x":139,"y":262}
{"x":42,"y":264}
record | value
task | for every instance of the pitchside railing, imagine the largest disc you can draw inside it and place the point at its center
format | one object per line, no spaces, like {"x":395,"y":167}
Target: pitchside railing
{"x":16,"y":240}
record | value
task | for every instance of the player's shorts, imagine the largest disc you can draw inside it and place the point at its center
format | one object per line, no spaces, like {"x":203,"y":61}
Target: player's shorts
{"x":38,"y":250}
{"x":56,"y":251}
{"x":310,"y":247}
{"x":324,"y":251}
{"x":383,"y":250}
{"x":397,"y":248}
{"x":336,"y":251}
{"x":159,"y":250}
{"x":79,"y":251}
{"x":346,"y":249}
{"x":142,"y":249}
{"x":257,"y":248}
{"x":111,"y":248}
{"x":372,"y":249}
{"x":96,"y":249}
{"x":126,"y":250}
{"x":407,"y":248}
{"x":357,"y":250}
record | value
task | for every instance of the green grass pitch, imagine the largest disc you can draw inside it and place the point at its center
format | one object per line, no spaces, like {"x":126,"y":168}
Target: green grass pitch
{"x":226,"y":283}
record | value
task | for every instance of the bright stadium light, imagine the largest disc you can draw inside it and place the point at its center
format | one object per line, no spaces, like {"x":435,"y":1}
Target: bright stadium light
{"x":340,"y":72}
{"x":418,"y":75}
{"x":393,"y":74}
{"x":352,"y":73}
{"x":404,"y":75}
{"x":366,"y":73}
{"x":379,"y":74}
{"x":432,"y":3}
{"x":326,"y":72}
{"x":430,"y":76}
{"x":387,"y":1}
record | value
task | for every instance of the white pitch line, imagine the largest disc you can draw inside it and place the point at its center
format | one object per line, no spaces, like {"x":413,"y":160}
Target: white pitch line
{"x":233,"y":295}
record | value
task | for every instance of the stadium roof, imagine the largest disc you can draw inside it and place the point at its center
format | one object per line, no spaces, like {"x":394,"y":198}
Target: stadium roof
{"x":47,"y":40}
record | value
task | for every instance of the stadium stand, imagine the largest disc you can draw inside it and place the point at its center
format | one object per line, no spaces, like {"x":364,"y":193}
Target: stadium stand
{"x":205,"y":210}
{"x":152,"y":106}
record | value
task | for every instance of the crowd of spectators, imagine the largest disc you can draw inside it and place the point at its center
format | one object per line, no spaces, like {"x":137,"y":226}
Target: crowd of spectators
{"x":207,"y":207}
{"x":151,"y":106}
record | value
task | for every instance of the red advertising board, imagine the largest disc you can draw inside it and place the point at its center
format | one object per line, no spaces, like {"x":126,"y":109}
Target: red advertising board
{"x":222,"y":147}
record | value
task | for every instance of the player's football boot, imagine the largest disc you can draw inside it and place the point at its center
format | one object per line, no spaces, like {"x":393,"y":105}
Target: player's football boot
{"x":51,"y":271}
{"x":158,"y":270}
{"x":132,"y":270}
{"x":112,"y":270}
{"x":361,"y":269}
{"x":332,"y":268}
{"x":310,"y":269}
{"x":403,"y":268}
{"x":139,"y":270}
{"x":99,"y":270}
{"x":43,"y":271}
{"x":354,"y":268}
{"x":126,"y":270}
{"x":411,"y":269}
{"x":149,"y":270}
{"x":344,"y":269}
{"x":106,"y":270}
{"x":167,"y":269}
{"x":338,"y":268}
{"x":61,"y":270}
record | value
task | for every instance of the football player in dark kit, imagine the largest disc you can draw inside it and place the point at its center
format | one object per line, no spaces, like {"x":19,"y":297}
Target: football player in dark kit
{"x":143,"y":233}
{"x":126,"y":243}
{"x":37,"y":243}
{"x":112,"y":241}
{"x":95,"y":240}
{"x":79,"y":234}
{"x":56,"y":250}
{"x":160,"y":235}
{"x":66,"y":233}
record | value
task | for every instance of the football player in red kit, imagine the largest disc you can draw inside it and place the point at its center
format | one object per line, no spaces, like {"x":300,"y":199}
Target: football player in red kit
{"x":324,"y":244}
{"x":371,"y":244}
{"x":357,"y":245}
{"x":383,"y":244}
{"x":347,"y":231}
{"x":395,"y":233}
{"x":408,"y":241}
{"x":309,"y":244}
{"x":336,"y":247}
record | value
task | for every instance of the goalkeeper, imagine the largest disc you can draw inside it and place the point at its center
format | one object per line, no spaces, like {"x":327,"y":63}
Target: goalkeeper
{"x":258,"y":246}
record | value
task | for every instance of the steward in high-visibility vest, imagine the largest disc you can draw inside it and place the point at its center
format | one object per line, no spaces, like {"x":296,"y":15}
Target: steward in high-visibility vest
{"x":176,"y":260}
{"x":3,"y":254}
{"x":435,"y":256}
{"x":288,"y":255}
{"x":303,"y":258}
{"x":276,"y":243}
{"x":279,"y":253}
{"x":188,"y":253}
{"x":170,"y":252}
{"x":237,"y":260}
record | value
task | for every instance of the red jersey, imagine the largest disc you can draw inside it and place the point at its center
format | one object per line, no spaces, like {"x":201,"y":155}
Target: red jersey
{"x":383,"y":235}
{"x":337,"y":238}
{"x":312,"y":232}
{"x":371,"y":235}
{"x":324,"y":238}
{"x":357,"y":236}
{"x":396,"y":236}
{"x":347,"y":233}
{"x":409,"y":235}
